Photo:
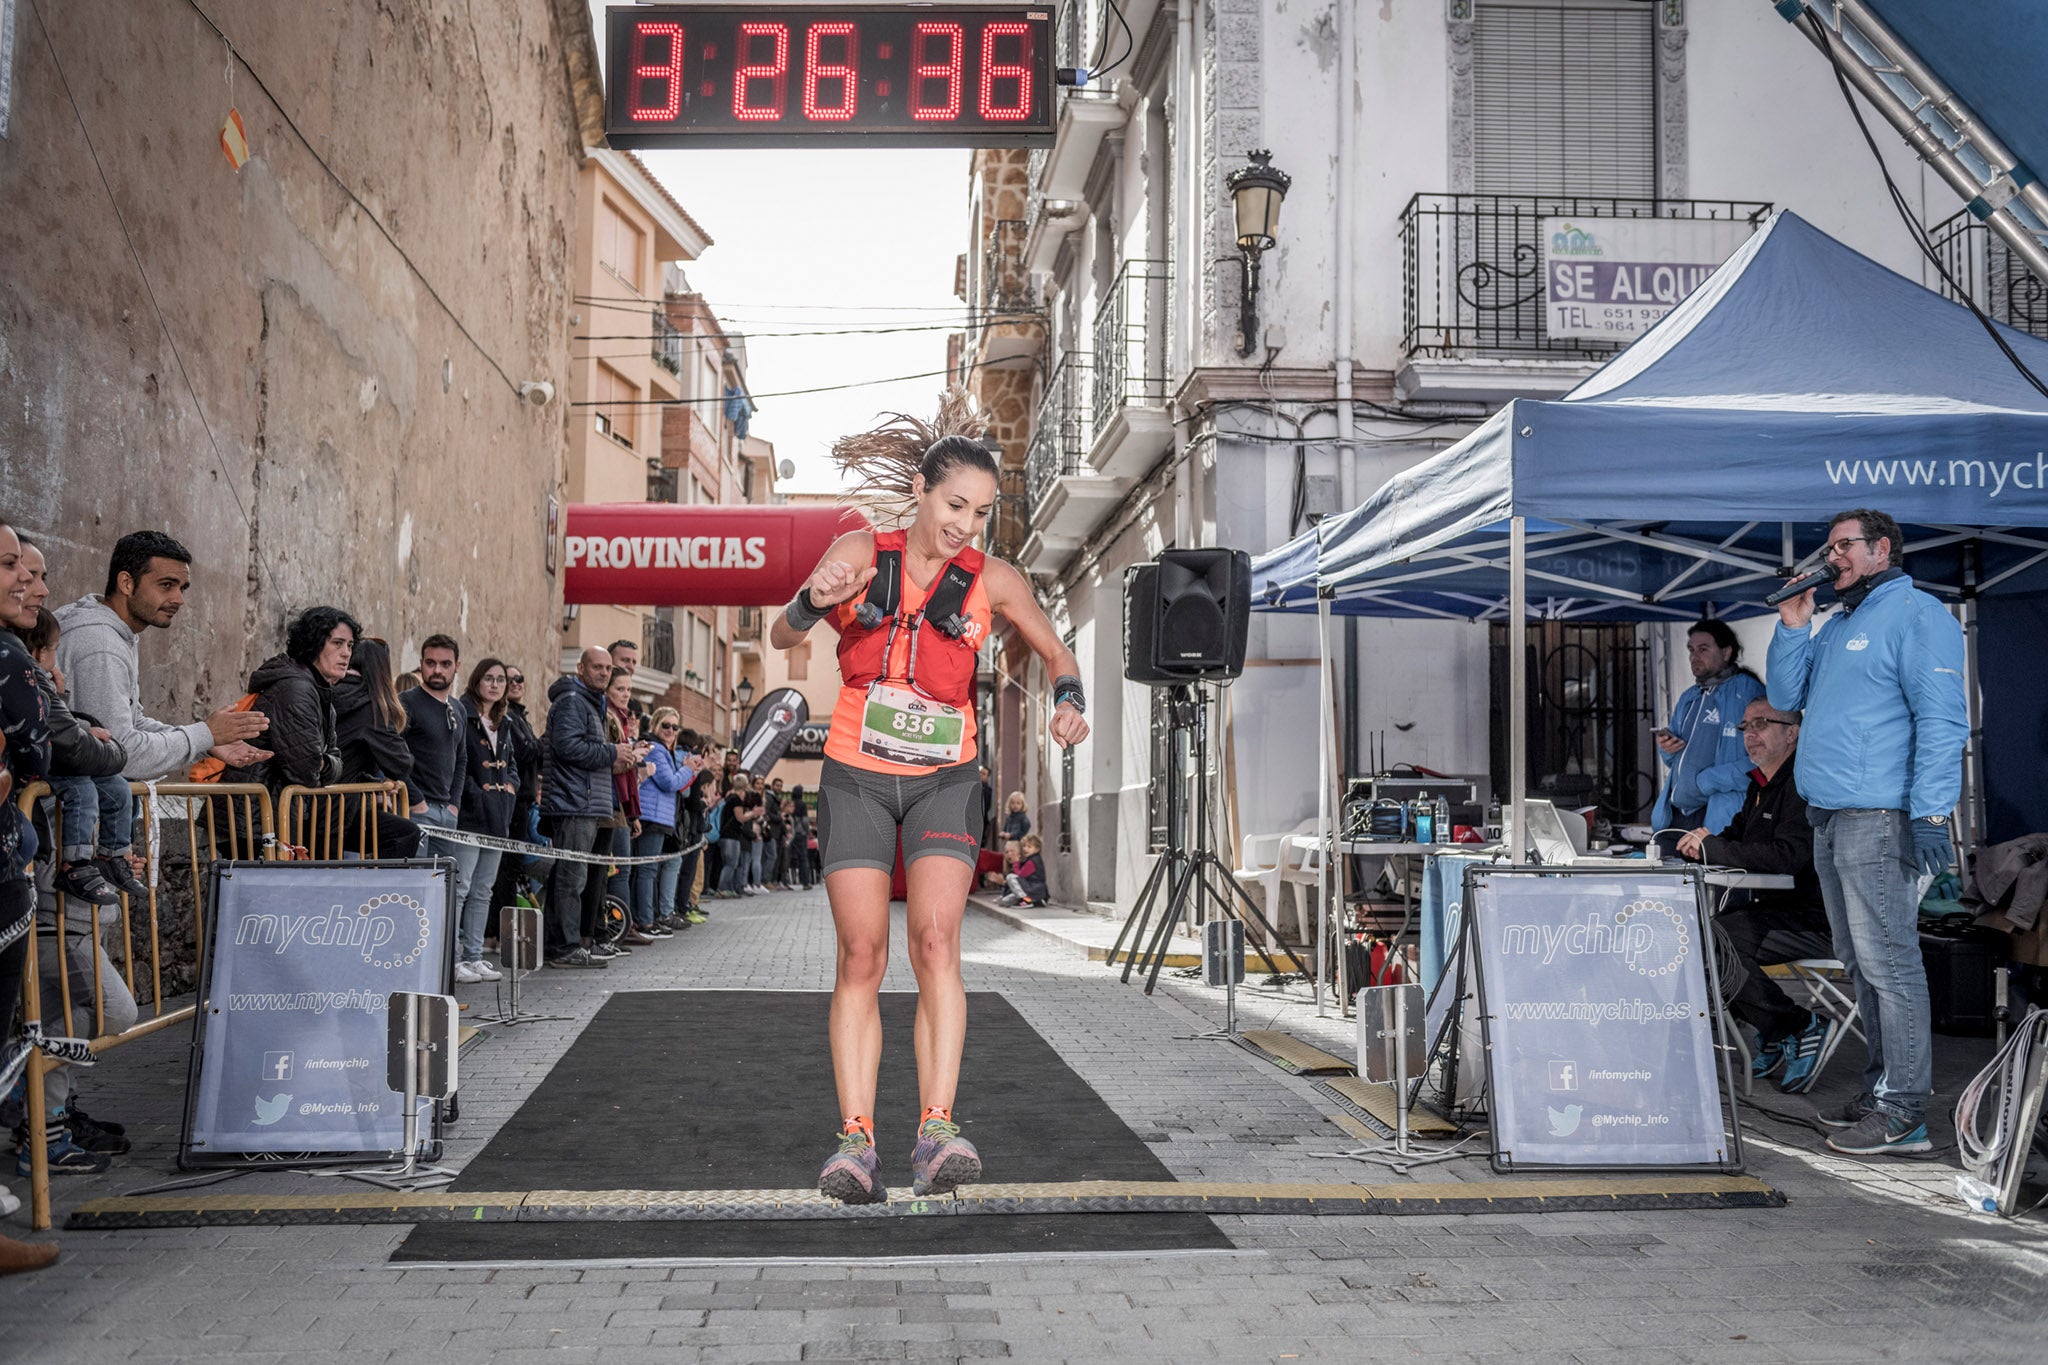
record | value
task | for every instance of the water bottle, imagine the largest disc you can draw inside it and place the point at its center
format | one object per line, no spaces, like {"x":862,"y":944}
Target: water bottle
{"x":1979,"y":1196}
{"x":1443,"y":820}
{"x":1425,"y":822}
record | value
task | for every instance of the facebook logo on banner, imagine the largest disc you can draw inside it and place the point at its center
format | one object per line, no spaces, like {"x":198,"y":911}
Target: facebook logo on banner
{"x":1564,"y":1075}
{"x":277,"y":1066}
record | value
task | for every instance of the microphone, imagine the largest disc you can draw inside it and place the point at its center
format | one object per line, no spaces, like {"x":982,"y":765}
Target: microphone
{"x":1799,"y":585}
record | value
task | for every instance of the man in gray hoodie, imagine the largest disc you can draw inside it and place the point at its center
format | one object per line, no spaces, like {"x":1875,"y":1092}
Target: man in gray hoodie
{"x":146,"y":582}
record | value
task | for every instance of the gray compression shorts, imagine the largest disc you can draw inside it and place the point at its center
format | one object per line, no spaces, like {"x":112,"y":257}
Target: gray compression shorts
{"x":860,"y":812}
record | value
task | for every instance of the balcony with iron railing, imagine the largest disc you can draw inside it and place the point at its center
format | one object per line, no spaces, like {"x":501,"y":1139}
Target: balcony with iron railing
{"x":1060,"y":436}
{"x":746,"y":630}
{"x":1008,"y":524}
{"x":658,"y":645}
{"x":1472,"y":286}
{"x":1064,"y":497}
{"x":1989,"y":274}
{"x":668,"y":343}
{"x":1006,"y":326}
{"x":1132,"y":429}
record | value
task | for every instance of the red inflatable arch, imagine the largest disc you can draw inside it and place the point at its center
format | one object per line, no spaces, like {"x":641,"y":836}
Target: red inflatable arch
{"x":662,"y":555}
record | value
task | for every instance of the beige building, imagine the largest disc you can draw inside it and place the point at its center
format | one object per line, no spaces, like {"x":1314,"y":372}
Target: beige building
{"x":631,"y":365}
{"x":706,"y":457}
{"x":306,"y":368}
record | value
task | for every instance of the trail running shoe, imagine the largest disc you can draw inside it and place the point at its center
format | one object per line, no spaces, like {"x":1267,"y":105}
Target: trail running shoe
{"x":1802,"y":1055}
{"x":94,"y":1138}
{"x":1847,"y":1114}
{"x":942,"y":1159}
{"x":66,"y":1157}
{"x":1769,"y":1058}
{"x":1880,"y":1134}
{"x":852,"y":1175}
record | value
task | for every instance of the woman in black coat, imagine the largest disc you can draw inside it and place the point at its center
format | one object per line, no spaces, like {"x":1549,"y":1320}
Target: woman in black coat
{"x":295,"y":690}
{"x":369,"y":727}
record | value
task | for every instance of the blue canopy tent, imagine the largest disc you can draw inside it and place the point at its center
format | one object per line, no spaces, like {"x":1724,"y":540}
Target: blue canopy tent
{"x":1695,"y":470}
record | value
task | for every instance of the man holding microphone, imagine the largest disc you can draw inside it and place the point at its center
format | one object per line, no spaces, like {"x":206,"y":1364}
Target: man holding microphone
{"x":1881,"y":686}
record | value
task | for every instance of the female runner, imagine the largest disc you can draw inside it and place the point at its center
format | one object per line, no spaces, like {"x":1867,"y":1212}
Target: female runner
{"x":912,"y":607}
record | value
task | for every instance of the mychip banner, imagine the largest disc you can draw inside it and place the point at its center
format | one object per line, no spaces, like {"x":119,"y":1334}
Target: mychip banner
{"x":1611,"y":279}
{"x":289,"y":1059}
{"x":1596,"y":990}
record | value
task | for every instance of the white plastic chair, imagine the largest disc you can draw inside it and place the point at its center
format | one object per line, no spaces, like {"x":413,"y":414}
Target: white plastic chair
{"x":1301,"y":870}
{"x":1267,"y":860}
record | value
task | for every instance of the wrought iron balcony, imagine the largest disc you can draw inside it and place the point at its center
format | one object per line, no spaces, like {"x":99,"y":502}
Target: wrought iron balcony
{"x":1472,"y":268}
{"x":1989,"y":274}
{"x":1064,"y":430}
{"x":658,"y":644}
{"x":1005,"y":284}
{"x":747,"y":624}
{"x":1130,"y":334}
{"x":1007,"y":525}
{"x":668,"y":343}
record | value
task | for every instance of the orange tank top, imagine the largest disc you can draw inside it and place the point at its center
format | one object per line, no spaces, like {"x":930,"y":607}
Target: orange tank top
{"x":944,"y":667}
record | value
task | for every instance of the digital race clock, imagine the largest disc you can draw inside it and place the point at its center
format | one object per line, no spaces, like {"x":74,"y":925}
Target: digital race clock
{"x":768,"y":75}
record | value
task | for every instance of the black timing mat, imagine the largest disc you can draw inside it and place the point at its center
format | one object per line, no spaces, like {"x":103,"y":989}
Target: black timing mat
{"x":732,"y":1090}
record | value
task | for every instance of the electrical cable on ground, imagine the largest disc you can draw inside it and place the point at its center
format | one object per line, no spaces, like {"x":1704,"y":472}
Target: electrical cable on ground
{"x":1987,"y":1154}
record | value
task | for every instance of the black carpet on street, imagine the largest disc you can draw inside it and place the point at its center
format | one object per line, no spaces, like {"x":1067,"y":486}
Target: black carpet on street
{"x":732,"y":1090}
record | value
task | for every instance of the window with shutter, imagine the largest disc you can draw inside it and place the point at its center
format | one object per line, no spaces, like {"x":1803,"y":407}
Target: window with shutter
{"x":1564,"y":97}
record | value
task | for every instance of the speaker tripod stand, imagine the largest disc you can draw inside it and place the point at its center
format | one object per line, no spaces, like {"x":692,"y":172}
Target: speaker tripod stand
{"x":1188,"y":872}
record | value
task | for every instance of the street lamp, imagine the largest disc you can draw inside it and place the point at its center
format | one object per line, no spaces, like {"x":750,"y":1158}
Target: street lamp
{"x":1255,"y":193}
{"x":743,"y":694}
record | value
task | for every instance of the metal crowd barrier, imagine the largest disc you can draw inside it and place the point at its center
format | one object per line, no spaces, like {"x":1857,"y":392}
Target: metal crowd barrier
{"x":324,"y":823}
{"x":222,"y":821}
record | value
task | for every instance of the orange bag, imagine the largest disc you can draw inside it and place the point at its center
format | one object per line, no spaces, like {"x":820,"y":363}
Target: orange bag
{"x":209,"y":769}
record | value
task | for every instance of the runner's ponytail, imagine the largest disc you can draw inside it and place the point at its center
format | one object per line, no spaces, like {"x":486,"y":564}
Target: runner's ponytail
{"x":881,"y":463}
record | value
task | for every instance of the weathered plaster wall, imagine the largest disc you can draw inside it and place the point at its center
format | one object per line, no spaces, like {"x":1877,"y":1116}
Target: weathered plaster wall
{"x":341,"y":438}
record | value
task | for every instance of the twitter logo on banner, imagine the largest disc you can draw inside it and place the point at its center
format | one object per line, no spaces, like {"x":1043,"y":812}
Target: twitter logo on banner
{"x":271,"y":1110}
{"x":1563,"y":1122}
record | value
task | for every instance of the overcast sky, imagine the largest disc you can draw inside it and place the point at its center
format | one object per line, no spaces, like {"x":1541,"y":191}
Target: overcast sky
{"x":810,"y":242}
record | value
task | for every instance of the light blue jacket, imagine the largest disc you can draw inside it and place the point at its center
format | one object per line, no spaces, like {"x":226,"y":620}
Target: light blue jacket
{"x":1713,"y":764}
{"x":1882,"y":692}
{"x":658,"y":790}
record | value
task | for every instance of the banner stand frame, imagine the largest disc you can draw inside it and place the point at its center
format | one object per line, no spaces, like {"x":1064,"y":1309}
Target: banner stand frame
{"x":516,"y":918}
{"x":1689,"y":874}
{"x":327,"y":1162}
{"x":1404,"y":1158}
{"x":407,"y":1049}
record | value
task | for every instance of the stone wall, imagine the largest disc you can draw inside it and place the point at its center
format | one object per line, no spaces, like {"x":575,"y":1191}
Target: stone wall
{"x":304,"y":369}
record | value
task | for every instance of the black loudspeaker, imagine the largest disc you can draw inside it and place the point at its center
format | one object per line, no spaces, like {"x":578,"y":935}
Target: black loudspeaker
{"x":1186,"y":616}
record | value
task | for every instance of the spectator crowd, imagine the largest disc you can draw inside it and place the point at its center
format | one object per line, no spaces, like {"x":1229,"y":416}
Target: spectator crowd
{"x":589,"y":771}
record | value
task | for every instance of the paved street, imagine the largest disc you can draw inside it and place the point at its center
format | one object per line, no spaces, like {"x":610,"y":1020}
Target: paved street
{"x":1863,"y":1263}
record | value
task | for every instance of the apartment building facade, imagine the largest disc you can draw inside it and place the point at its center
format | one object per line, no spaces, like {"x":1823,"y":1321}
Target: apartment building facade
{"x":1183,"y":392}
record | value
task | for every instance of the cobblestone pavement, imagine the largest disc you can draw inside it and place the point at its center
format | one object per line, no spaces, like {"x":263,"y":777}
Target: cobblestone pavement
{"x":1866,"y":1262}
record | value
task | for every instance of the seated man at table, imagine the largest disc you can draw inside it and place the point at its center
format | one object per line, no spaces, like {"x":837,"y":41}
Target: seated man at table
{"x":1770,"y":834}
